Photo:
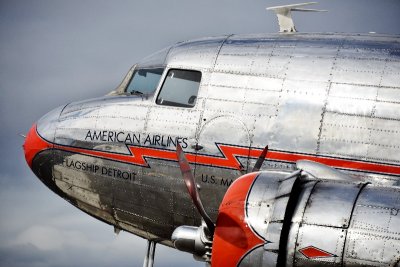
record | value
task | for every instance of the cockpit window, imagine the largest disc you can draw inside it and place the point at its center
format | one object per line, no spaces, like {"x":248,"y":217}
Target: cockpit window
{"x":180,"y":88}
{"x":144,"y":81}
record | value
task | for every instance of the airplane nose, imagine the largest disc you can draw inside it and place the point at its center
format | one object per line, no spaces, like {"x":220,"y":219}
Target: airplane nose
{"x":41,"y":135}
{"x":33,"y":145}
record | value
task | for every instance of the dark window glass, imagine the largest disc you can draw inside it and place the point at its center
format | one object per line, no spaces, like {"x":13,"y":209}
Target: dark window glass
{"x":144,"y":81}
{"x":180,"y":88}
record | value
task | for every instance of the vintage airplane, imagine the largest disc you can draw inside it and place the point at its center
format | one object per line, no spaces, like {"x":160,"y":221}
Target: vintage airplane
{"x":288,"y":143}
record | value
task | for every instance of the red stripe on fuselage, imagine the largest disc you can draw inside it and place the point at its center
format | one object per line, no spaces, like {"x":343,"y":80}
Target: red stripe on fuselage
{"x":228,"y":159}
{"x":139,"y":154}
{"x":334,"y":162}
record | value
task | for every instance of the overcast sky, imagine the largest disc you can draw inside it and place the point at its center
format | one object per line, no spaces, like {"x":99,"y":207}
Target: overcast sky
{"x":54,"y":52}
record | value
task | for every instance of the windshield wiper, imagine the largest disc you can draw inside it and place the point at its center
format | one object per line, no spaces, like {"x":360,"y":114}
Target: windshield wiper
{"x":134,"y":92}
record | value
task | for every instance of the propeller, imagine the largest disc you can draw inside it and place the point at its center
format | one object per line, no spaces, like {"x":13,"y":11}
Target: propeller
{"x":260,"y":160}
{"x":192,"y":188}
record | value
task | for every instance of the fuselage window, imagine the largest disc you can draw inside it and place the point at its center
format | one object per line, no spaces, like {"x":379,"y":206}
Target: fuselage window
{"x":180,"y":88}
{"x":144,"y":81}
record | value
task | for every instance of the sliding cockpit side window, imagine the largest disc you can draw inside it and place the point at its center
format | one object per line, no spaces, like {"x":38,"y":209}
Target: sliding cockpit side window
{"x":144,"y":81}
{"x":180,"y":88}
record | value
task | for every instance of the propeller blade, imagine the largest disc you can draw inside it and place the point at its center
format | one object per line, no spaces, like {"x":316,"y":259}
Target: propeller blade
{"x":260,"y":160}
{"x":192,"y":188}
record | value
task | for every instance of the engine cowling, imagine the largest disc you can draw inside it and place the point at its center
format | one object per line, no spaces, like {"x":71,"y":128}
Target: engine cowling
{"x":274,"y":218}
{"x":234,"y":237}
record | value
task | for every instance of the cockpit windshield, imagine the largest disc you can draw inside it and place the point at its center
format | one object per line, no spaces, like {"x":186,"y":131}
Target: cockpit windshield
{"x":144,"y":81}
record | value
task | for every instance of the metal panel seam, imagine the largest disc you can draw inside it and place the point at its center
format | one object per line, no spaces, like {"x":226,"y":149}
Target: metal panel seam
{"x":351,"y":216}
{"x":287,"y":221}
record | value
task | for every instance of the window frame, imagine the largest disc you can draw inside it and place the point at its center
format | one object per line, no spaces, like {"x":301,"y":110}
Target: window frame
{"x":164,"y":79}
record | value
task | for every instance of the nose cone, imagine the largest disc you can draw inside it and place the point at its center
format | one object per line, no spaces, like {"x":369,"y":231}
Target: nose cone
{"x":33,"y":145}
{"x":41,"y":135}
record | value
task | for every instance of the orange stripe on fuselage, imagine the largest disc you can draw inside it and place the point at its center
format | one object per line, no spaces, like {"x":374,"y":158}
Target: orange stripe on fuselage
{"x":333,"y":162}
{"x":228,"y":159}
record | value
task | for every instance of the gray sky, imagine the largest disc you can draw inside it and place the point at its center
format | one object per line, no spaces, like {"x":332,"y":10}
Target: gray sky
{"x":54,"y":52}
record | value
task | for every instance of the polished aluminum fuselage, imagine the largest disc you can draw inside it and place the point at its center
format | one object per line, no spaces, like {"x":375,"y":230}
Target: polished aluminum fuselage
{"x":332,"y":98}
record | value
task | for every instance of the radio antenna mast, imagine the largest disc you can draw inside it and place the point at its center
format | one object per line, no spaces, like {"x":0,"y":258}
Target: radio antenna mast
{"x":284,"y":14}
